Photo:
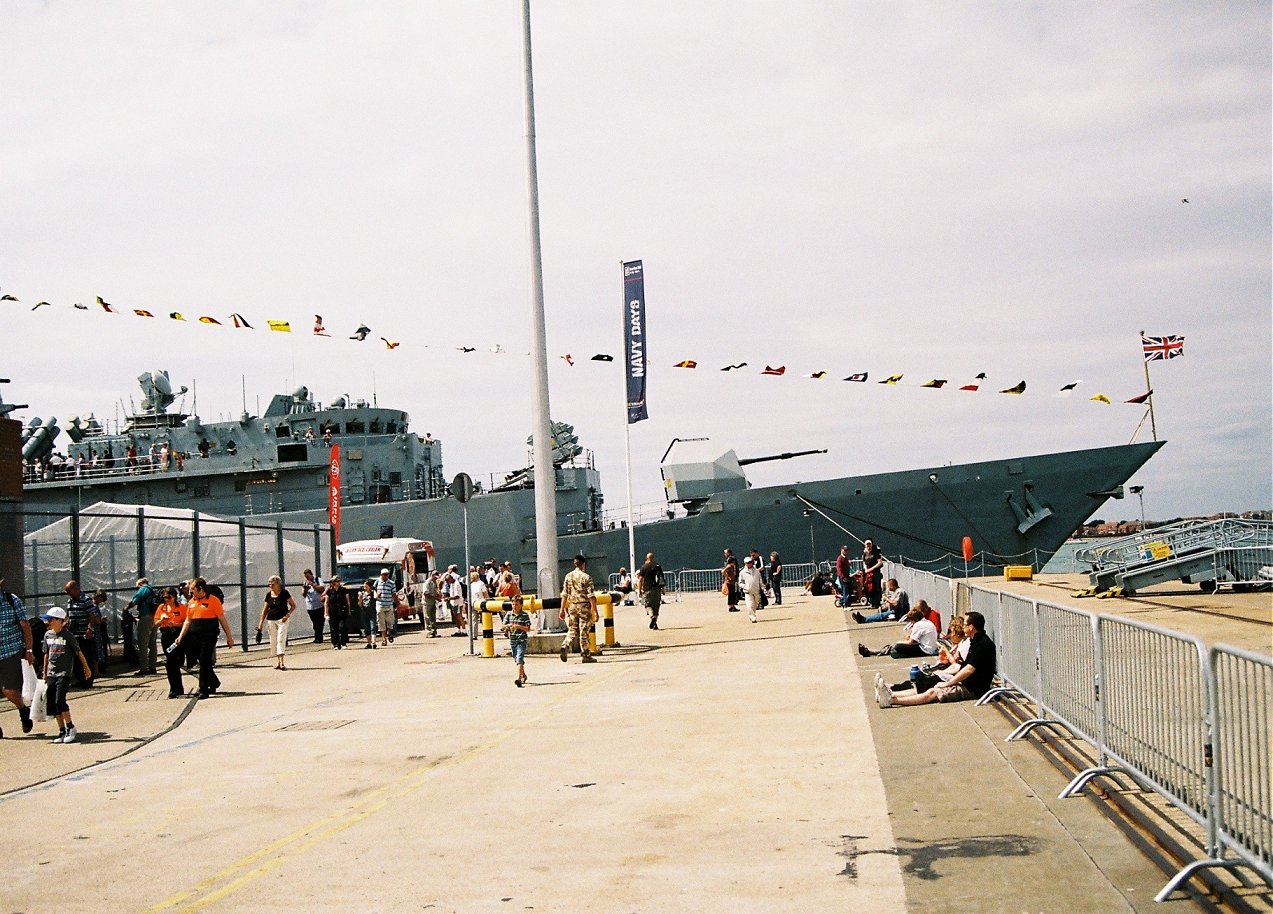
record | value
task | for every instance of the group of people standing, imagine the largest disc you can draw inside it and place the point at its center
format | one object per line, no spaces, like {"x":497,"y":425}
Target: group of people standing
{"x":755,"y":582}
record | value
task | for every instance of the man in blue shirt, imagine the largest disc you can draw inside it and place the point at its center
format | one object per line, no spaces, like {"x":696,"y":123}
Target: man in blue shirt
{"x":15,"y":646}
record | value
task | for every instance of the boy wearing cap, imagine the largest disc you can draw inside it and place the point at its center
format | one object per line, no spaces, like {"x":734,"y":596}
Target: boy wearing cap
{"x":60,"y":651}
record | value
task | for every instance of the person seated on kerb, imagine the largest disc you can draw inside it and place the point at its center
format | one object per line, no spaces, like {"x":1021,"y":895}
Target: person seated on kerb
{"x":973,"y":679}
{"x":895,"y":604}
{"x":817,"y":586}
{"x":949,"y":660}
{"x":921,"y":637}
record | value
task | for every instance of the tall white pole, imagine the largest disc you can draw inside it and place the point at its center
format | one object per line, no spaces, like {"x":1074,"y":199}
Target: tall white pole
{"x":627,"y":448}
{"x":545,"y":478}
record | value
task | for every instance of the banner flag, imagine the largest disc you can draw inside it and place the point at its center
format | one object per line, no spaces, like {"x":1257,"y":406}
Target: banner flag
{"x":280,"y":326}
{"x":860,"y":376}
{"x":1100,"y":398}
{"x":333,"y":492}
{"x":634,"y":339}
{"x":1018,"y":388}
{"x":776,"y":372}
{"x":688,"y":363}
{"x":240,"y":321}
{"x":935,"y":382}
{"x":106,"y":306}
{"x":892,"y":379}
{"x":735,"y":366}
{"x":1159,"y":348}
{"x":176,"y":315}
{"x":1142,"y":397}
{"x":212,"y":321}
{"x":981,"y":376}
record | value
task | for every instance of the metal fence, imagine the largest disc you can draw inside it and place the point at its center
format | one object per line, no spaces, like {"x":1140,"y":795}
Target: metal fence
{"x":111,"y":547}
{"x":1194,"y":727}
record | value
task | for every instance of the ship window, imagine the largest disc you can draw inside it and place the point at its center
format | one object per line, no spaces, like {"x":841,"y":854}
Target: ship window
{"x":375,"y":426}
{"x":355,"y":427}
{"x":395,"y":479}
{"x":293,"y":453}
{"x":391,"y":427}
{"x":240,"y":485}
{"x":283,"y":431}
{"x":200,"y":491}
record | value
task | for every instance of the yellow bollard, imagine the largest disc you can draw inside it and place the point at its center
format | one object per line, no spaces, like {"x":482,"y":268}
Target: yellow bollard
{"x":488,"y":633}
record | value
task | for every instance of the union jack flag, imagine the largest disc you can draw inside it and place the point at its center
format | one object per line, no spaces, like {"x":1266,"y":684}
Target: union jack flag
{"x":1160,"y":348}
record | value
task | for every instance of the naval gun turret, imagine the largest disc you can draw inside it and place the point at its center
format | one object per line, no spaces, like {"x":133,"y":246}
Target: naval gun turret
{"x":694,"y":470}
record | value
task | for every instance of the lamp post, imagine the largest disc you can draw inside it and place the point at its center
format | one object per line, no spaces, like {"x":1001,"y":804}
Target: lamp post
{"x":1139,"y":492}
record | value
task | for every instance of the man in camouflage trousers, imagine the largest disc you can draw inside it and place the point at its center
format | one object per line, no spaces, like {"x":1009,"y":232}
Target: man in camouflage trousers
{"x":579,"y":608}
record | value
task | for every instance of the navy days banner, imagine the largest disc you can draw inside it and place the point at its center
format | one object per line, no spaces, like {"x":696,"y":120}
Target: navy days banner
{"x":634,"y":338}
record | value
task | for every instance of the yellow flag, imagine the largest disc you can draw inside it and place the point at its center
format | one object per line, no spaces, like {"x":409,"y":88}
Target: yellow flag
{"x":209,"y":320}
{"x":280,"y":326}
{"x":1100,"y":398}
{"x":142,"y":312}
{"x":176,"y":315}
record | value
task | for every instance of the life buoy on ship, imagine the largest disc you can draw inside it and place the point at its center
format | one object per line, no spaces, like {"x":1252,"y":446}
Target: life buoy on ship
{"x":967,"y":548}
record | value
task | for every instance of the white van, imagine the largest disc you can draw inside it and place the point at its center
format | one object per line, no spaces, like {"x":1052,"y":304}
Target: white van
{"x":409,"y":562}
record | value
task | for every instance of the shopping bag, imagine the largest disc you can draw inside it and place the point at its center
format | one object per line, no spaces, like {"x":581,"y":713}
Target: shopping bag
{"x":38,"y":703}
{"x":28,"y":682}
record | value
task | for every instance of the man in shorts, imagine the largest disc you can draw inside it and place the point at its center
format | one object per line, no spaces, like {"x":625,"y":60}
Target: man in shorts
{"x":972,"y":681}
{"x":649,"y":586}
{"x":15,"y":646}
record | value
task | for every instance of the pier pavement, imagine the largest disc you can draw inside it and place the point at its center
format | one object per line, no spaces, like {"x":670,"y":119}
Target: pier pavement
{"x":712,"y":766}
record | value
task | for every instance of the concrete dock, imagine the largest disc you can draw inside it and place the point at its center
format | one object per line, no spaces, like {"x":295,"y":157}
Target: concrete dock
{"x":712,"y":766}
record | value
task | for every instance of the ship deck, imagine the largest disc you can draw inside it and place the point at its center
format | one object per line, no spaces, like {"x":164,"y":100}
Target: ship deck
{"x":714,"y":765}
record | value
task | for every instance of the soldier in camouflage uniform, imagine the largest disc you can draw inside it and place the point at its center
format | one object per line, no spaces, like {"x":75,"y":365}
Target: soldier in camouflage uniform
{"x":579,"y":608}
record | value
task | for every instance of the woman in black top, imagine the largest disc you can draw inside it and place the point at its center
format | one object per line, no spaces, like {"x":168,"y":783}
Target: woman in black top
{"x":872,"y":574}
{"x":276,"y":609}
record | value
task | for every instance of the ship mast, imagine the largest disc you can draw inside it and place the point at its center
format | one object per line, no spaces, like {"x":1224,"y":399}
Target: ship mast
{"x":545,"y":476}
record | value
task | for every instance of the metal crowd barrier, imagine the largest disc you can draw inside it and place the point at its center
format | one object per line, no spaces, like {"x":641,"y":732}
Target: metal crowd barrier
{"x":1192,"y":726}
{"x":699,"y":580}
{"x":936,"y":591}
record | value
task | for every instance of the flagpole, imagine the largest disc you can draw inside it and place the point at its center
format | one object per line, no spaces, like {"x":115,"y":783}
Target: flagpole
{"x":545,"y":478}
{"x":1153,"y":426}
{"x":627,"y":456}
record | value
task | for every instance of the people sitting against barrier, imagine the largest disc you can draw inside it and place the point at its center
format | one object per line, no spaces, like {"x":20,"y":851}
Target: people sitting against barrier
{"x":949,"y":660}
{"x":817,"y":586}
{"x":972,"y":680}
{"x":934,"y":617}
{"x":920,"y":641}
{"x":894,"y":605}
{"x":624,"y":585}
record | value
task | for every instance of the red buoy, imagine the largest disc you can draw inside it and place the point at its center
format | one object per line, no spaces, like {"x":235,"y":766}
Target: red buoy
{"x":967,"y":548}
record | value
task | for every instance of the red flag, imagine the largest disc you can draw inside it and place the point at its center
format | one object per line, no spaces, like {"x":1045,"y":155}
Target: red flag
{"x":688,"y":363}
{"x":980,"y":377}
{"x":333,"y":492}
{"x":568,"y":360}
{"x":780,"y":370}
{"x":1142,"y":398}
{"x":142,"y":312}
{"x":106,"y":306}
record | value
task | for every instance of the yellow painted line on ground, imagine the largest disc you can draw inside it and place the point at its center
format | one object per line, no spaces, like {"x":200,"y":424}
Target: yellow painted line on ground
{"x":278,"y":852}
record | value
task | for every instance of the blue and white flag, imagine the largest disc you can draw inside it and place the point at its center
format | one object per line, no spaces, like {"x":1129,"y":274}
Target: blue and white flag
{"x":634,"y":338}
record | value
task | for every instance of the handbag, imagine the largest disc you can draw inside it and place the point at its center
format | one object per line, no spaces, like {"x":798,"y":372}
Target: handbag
{"x":38,"y":702}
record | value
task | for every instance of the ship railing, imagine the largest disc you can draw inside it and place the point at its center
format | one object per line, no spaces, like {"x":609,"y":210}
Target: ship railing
{"x":144,"y":466}
{"x":1158,"y":708}
{"x":648,"y":513}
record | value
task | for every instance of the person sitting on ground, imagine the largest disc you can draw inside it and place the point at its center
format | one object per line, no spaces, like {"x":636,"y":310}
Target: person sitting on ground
{"x":624,"y":586}
{"x":894,"y":605}
{"x":817,"y":586}
{"x":972,"y":680}
{"x":921,"y":637}
{"x":949,"y":660}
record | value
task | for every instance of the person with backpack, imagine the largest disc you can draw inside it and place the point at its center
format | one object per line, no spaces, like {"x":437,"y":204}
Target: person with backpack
{"x":146,"y":602}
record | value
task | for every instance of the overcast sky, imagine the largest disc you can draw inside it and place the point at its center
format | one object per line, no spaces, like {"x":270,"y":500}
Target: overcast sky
{"x":931,"y":189}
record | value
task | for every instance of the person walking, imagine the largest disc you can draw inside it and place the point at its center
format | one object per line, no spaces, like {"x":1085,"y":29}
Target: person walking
{"x":169,"y":617}
{"x":729,"y":580}
{"x":146,"y":601}
{"x":15,"y":646}
{"x":649,"y":587}
{"x":517,"y":627}
{"x":204,"y":613}
{"x":752,"y":584}
{"x":579,"y":609}
{"x":431,"y":594}
{"x":312,"y":593}
{"x":337,"y":608}
{"x":386,"y":596}
{"x":276,"y":610}
{"x":61,"y":649}
{"x":83,"y":619}
{"x":367,"y":607}
{"x":775,"y":577}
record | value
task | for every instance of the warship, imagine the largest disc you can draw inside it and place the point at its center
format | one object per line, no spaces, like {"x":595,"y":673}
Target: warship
{"x":275,"y":466}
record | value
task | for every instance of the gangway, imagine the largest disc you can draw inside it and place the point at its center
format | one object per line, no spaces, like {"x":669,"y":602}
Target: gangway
{"x":1227,"y":551}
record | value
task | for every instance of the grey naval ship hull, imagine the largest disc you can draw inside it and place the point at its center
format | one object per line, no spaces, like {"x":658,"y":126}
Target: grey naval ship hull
{"x":1018,"y":510}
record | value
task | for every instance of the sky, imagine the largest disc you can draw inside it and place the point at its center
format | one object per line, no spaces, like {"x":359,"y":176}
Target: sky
{"x":931,"y":189}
